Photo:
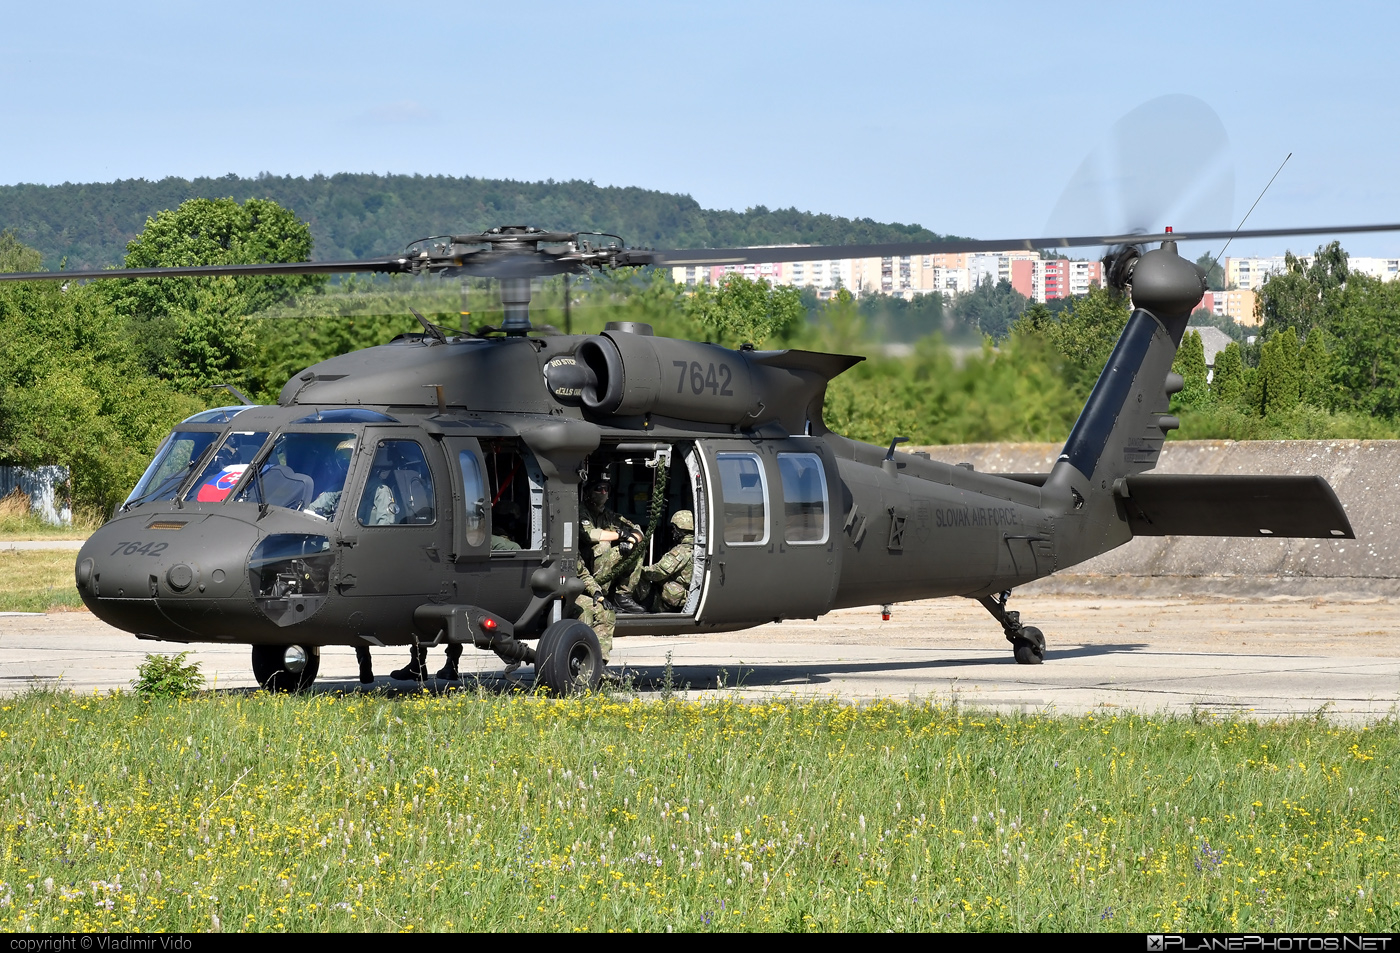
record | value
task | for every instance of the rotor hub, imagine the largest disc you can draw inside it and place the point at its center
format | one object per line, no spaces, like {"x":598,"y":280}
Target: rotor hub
{"x":1165,"y":283}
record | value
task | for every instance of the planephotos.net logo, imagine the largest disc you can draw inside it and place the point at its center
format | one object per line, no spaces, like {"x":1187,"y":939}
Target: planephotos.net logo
{"x":1272,"y":943}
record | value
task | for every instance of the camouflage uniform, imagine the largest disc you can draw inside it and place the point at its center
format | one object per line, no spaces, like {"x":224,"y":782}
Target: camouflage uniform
{"x":673,"y":570}
{"x":606,"y":558}
{"x":607,"y":555}
{"x":594,"y":612}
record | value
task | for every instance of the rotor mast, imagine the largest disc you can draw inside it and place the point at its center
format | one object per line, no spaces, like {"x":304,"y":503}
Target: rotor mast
{"x":515,"y":300}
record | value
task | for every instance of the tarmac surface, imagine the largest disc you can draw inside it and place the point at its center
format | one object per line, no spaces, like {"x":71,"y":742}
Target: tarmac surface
{"x":27,"y":544}
{"x":1257,"y":657}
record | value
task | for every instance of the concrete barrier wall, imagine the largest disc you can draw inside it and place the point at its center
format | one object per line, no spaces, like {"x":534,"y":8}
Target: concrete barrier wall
{"x":1365,"y":474}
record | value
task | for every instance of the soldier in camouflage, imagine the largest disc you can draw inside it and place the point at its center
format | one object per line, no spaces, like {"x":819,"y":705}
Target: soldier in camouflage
{"x":672,"y":572}
{"x":609,"y":537}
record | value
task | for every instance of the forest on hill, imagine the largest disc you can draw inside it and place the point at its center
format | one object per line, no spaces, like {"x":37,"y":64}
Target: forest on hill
{"x":88,"y":225}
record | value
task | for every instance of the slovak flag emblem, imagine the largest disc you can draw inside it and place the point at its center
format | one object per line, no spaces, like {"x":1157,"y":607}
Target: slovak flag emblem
{"x":217,"y":489}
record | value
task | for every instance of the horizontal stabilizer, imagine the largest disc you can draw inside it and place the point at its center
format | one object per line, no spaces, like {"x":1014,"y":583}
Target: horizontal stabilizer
{"x":820,"y":362}
{"x":1169,"y":504}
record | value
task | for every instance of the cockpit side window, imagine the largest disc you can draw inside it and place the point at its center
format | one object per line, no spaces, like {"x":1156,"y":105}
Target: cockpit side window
{"x":399,"y":490}
{"x":474,"y":493}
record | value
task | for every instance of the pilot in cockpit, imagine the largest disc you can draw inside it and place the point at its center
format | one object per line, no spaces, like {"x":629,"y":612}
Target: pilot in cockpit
{"x":336,"y":469}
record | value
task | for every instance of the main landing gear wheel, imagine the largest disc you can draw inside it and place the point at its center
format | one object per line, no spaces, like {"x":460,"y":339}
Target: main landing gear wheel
{"x":286,"y":668}
{"x":1029,"y":648}
{"x":568,"y":659}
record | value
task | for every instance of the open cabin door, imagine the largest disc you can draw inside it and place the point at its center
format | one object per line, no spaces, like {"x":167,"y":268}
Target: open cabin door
{"x":637,"y":468}
{"x":772,"y":549}
{"x":499,"y":533}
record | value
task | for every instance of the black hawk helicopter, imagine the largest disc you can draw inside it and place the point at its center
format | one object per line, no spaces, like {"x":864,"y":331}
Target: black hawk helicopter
{"x":428,"y":490}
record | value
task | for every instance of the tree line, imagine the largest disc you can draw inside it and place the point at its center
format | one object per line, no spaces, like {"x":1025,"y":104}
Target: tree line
{"x":359,"y":215}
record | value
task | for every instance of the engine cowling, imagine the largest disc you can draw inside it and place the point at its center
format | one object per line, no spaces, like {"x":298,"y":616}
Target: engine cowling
{"x":631,"y":374}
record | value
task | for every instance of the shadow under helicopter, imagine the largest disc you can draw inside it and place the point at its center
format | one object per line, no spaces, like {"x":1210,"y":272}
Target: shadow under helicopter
{"x":707,"y":676}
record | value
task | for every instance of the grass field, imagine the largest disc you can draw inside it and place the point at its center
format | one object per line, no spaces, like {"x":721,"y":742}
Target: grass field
{"x":16,"y":525}
{"x":34,"y":580}
{"x":238,"y":811}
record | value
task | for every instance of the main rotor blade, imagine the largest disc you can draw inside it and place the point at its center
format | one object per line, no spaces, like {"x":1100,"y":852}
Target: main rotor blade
{"x":391,"y":265}
{"x":530,"y":265}
{"x":781,"y":253}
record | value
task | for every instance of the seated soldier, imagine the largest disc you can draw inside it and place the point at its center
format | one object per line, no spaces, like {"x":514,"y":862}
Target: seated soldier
{"x":503,"y":544}
{"x":508,"y":527}
{"x":669,"y":577}
{"x":328,"y":500}
{"x":603,"y":526}
{"x":599,"y":559}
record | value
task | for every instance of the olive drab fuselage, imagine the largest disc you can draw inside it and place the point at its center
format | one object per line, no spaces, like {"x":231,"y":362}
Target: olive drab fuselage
{"x":870,"y":529}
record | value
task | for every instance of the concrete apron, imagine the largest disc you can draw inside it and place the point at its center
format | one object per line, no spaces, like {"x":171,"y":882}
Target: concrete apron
{"x":1364,"y":473}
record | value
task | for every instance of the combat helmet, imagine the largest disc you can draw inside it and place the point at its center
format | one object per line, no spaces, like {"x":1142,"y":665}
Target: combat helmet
{"x":683,"y":521}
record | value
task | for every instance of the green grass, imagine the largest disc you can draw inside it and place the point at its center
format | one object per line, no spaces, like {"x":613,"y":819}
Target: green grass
{"x":29,"y":526}
{"x":36,"y":580}
{"x":459,"y":812}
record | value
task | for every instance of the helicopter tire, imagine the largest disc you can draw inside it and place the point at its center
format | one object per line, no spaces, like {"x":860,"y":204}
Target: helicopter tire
{"x":269,"y":668}
{"x":568,"y":659}
{"x":1029,"y":648}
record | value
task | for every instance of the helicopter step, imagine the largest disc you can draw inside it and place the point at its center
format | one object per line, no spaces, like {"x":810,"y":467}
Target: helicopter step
{"x":471,"y":625}
{"x":1027,"y":642}
{"x":568,"y":659}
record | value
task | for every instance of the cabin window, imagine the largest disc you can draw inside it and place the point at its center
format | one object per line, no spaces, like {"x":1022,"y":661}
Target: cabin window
{"x":173,"y":462}
{"x":804,"y":497}
{"x":745,"y":498}
{"x":223,"y":472}
{"x":399,"y":491}
{"x":474,"y":493}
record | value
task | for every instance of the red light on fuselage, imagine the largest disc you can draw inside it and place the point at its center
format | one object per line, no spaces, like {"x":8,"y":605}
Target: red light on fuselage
{"x":488,"y":624}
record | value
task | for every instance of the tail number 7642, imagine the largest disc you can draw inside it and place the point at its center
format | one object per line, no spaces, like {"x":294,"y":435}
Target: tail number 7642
{"x":702,"y":379}
{"x":137,"y":549}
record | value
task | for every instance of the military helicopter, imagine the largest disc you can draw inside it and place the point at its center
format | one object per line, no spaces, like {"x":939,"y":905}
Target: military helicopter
{"x":428,"y":491}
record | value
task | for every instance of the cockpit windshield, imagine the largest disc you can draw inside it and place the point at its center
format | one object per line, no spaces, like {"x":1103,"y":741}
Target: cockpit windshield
{"x":173,"y":462}
{"x":303,"y":471}
{"x":225,"y":468}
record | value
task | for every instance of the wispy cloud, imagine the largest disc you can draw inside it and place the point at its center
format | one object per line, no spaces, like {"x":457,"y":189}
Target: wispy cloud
{"x":401,"y":112}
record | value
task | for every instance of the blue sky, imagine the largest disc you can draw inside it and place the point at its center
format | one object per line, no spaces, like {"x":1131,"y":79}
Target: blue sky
{"x":966,"y":118}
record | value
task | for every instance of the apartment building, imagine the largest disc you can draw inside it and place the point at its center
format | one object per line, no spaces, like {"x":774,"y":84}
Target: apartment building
{"x":1236,"y":303}
{"x":1249,"y":274}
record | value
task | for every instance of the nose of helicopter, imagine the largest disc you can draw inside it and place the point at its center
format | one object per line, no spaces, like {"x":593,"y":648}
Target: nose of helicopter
{"x":169,"y":575}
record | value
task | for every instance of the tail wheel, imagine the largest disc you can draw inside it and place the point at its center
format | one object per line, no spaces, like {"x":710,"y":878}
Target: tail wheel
{"x":569,"y":659}
{"x":1029,"y":648}
{"x":286,"y":668}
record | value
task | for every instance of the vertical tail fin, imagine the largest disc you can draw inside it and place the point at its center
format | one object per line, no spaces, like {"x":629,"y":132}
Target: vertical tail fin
{"x":1125,"y":421}
{"x":1123,"y":424}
